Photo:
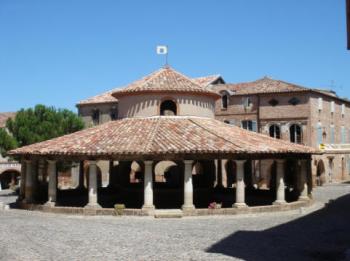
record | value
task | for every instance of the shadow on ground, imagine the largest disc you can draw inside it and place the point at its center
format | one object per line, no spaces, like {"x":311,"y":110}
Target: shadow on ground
{"x":322,"y":235}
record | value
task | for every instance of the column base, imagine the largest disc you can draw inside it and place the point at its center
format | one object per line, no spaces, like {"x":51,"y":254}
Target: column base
{"x":92,"y":205}
{"x":50,"y":204}
{"x":240,"y":205}
{"x":188,"y":208}
{"x":149,"y":210}
{"x":279,"y":202}
{"x":303,"y":198}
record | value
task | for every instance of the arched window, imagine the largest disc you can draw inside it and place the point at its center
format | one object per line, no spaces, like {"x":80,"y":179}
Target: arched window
{"x":275,"y":131}
{"x":168,"y":108}
{"x":295,"y":133}
{"x":224,"y":101}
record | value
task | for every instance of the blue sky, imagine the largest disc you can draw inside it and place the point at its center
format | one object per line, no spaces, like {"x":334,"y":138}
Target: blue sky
{"x":60,"y":52}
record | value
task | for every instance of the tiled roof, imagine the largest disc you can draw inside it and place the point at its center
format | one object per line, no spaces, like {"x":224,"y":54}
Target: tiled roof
{"x":162,"y":135}
{"x":164,"y":80}
{"x":264,"y":85}
{"x":107,"y":97}
{"x":205,"y":81}
{"x":4,"y":116}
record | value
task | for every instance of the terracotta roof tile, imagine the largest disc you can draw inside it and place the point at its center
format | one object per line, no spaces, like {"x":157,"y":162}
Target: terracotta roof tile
{"x":264,"y":85}
{"x":161,"y":136}
{"x":207,"y":80}
{"x":164,"y":80}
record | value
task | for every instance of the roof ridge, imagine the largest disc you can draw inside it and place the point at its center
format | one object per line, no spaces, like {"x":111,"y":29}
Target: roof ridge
{"x":153,"y":134}
{"x":187,"y":78}
{"x":151,"y":77}
{"x":211,"y":132}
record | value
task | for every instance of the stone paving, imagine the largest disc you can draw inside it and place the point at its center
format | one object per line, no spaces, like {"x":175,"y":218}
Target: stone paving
{"x":315,"y":233}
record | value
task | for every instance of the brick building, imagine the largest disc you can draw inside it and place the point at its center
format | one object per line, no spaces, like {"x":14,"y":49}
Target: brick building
{"x":313,"y":117}
{"x":317,"y":118}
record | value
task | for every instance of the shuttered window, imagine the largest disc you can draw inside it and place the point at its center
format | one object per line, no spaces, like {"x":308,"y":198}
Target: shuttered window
{"x":332,"y":134}
{"x":319,"y":133}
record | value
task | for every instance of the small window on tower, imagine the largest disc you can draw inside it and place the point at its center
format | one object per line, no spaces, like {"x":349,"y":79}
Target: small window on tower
{"x":273,"y":102}
{"x":96,"y":116}
{"x":294,"y":101}
{"x":114,"y":113}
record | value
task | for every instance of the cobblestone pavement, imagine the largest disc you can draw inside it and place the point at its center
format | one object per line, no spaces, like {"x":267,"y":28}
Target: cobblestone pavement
{"x":314,"y":233}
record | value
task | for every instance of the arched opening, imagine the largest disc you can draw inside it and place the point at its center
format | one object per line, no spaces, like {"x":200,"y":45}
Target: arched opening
{"x":168,"y":108}
{"x":224,"y":101}
{"x":320,"y":173}
{"x":135,"y":175}
{"x":275,"y":131}
{"x":168,"y":184}
{"x":9,"y":179}
{"x":295,"y":132}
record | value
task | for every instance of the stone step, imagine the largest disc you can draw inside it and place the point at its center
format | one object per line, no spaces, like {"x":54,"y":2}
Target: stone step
{"x":168,"y":213}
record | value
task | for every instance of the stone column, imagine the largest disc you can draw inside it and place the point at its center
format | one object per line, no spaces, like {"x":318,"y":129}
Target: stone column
{"x":280,"y":188}
{"x":188,"y":186}
{"x":92,"y":186}
{"x":148,"y":187}
{"x":52,"y":191}
{"x":29,"y":182}
{"x":303,"y":178}
{"x":240,"y":187}
{"x":22,"y":185}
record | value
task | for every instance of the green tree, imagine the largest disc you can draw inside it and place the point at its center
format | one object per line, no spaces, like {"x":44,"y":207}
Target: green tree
{"x":7,"y":142}
{"x":42,"y":123}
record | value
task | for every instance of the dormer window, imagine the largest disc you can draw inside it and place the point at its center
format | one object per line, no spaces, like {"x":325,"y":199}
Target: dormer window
{"x":224,"y":101}
{"x":168,"y":108}
{"x":294,"y":101}
{"x":273,"y":102}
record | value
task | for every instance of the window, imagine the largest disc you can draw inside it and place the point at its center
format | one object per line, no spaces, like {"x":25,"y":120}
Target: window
{"x":247,"y":102}
{"x":343,"y":109}
{"x":114,"y":113}
{"x":224,"y":101}
{"x":231,"y":122}
{"x":294,"y":101}
{"x":332,"y":107}
{"x":275,"y":131}
{"x":319,"y":133}
{"x":332,"y":134}
{"x":320,"y":104}
{"x":295,"y":133}
{"x":168,"y":108}
{"x":273,"y":102}
{"x":249,"y":125}
{"x":96,"y":116}
{"x":343,"y":134}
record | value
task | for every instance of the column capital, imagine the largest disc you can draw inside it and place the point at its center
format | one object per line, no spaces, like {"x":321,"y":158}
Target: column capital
{"x":188,"y":161}
{"x":240,"y":161}
{"x":92,"y":162}
{"x":51,"y":161}
{"x":148,"y":162}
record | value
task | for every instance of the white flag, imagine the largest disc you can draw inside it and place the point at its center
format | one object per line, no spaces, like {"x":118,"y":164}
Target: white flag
{"x":162,"y":49}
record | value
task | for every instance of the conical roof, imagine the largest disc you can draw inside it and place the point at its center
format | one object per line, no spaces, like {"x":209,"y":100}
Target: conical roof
{"x":163,"y":137}
{"x":165,"y":80}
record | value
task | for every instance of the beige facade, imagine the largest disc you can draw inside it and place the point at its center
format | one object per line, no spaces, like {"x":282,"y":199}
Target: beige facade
{"x":323,"y":118}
